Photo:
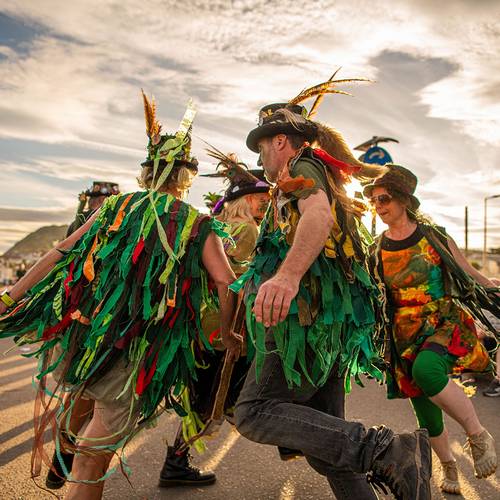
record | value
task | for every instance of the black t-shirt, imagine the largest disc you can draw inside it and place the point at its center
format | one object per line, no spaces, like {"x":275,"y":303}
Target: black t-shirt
{"x":396,"y":245}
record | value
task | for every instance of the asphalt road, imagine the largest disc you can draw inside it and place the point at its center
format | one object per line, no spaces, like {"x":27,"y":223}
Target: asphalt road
{"x":246,"y":471}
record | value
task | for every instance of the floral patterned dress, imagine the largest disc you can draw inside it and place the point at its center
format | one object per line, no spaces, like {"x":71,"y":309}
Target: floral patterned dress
{"x":424,"y":316}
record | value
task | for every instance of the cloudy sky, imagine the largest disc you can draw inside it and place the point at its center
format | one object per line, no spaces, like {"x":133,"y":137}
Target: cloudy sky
{"x":71,"y":73}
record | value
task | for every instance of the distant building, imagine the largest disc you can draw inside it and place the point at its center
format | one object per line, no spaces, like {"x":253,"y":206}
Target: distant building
{"x":7,"y":272}
{"x":492,"y":268}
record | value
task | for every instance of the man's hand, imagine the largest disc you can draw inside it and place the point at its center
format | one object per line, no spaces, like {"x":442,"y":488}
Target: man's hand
{"x":274,"y":298}
{"x":233,"y":342}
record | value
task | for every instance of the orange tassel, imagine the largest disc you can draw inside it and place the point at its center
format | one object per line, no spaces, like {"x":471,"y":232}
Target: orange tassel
{"x":78,"y":316}
{"x":88,"y":267}
{"x":120,"y":215}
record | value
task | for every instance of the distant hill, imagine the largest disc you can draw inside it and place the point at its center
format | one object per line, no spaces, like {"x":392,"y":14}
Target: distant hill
{"x":39,"y":241}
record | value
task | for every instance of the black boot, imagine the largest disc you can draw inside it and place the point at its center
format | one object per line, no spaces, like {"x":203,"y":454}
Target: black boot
{"x":289,"y":454}
{"x":177,"y":471}
{"x":56,"y":480}
{"x":405,"y":467}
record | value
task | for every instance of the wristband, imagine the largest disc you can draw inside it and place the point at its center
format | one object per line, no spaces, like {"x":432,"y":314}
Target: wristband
{"x":7,"y":300}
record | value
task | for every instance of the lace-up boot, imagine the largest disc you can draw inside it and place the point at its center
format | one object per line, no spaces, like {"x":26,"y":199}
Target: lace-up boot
{"x":178,"y":471}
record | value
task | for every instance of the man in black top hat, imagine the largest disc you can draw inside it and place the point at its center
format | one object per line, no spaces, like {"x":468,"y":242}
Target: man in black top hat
{"x":313,"y":215}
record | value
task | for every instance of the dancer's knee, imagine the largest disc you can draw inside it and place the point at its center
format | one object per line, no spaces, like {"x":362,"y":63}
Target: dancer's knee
{"x":429,"y":416}
{"x":254,"y":421}
{"x":430,"y":372}
{"x":244,"y":418}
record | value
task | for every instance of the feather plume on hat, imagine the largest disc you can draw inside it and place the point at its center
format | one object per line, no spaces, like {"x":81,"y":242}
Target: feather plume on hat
{"x":330,"y":139}
{"x":321,"y":89}
{"x":240,"y":180}
{"x":230,"y":168}
{"x":153,"y":126}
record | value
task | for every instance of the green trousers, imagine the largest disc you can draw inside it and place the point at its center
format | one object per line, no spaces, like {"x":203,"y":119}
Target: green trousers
{"x":430,"y":372}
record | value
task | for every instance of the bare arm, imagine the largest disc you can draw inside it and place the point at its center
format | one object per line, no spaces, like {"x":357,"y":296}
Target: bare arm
{"x":47,"y":262}
{"x":312,"y":232}
{"x":464,"y":264}
{"x":275,"y":295}
{"x":215,"y":262}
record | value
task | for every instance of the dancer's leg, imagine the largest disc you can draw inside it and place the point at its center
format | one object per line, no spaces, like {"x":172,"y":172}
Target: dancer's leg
{"x":430,"y":417}
{"x":113,"y":419}
{"x":80,"y":413}
{"x":90,"y":467}
{"x":441,"y":445}
{"x":270,"y":412}
{"x":178,"y":470}
{"x":330,"y":399}
{"x":457,"y":405}
{"x":430,"y":371}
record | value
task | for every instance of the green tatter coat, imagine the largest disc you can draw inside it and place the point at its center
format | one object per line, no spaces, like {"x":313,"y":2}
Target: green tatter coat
{"x":118,"y":295}
{"x":333,"y":314}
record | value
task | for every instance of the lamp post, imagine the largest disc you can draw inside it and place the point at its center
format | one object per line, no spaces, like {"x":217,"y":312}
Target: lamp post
{"x":466,"y":231}
{"x":485,"y":230}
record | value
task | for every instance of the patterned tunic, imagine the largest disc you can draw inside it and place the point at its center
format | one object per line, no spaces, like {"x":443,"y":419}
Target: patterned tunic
{"x":424,"y":316}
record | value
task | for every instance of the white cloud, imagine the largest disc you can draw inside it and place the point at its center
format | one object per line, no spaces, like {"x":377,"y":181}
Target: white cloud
{"x":78,"y":82}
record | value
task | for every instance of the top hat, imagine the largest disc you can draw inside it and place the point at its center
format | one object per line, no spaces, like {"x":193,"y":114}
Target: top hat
{"x":100,"y":188}
{"x":281,"y":118}
{"x":241,"y":180}
{"x":181,"y":159}
{"x":398,"y":178}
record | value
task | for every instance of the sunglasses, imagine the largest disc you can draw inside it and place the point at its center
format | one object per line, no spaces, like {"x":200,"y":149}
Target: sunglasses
{"x":382,"y":199}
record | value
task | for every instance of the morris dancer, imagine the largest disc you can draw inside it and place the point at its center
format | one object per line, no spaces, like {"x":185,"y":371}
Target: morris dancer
{"x":242,"y":207}
{"x":310,"y":299}
{"x":430,"y":287}
{"x":116,"y":309}
{"x":94,"y":197}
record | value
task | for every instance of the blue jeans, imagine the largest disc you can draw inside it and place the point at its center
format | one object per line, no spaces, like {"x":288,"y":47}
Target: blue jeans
{"x":310,"y":419}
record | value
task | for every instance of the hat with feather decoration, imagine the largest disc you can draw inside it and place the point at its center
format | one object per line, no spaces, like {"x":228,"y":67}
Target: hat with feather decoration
{"x":293,"y":118}
{"x":241,"y":180}
{"x":168,"y":149}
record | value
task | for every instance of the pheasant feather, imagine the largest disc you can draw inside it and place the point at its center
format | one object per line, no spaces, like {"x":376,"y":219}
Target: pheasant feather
{"x":324,"y":88}
{"x":319,"y":98}
{"x":153,"y":127}
{"x":230,"y":167}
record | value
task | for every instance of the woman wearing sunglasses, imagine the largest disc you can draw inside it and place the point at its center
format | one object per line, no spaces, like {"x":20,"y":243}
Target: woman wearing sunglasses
{"x":429,"y":332}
